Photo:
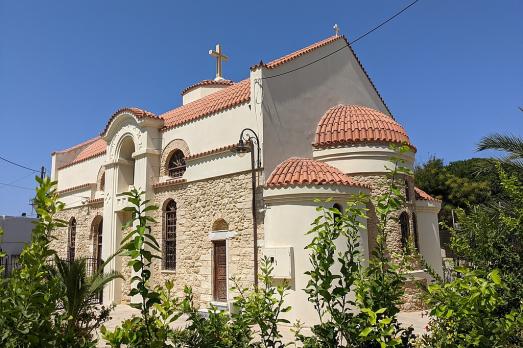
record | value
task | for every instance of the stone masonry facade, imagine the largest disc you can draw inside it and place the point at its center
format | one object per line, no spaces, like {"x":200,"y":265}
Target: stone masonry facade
{"x":379,"y":185}
{"x":199,"y":205}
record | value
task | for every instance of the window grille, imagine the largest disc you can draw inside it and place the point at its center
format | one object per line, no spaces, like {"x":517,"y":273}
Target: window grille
{"x":169,"y":236}
{"x":176,"y":166}
{"x":71,"y":240}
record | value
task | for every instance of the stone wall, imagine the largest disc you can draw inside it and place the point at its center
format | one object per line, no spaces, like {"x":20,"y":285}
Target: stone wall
{"x":379,"y":185}
{"x":199,"y":205}
{"x":85,"y":216}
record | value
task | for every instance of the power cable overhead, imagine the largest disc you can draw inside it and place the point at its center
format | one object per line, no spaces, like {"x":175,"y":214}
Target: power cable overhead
{"x":350,"y":43}
{"x":18,"y":165}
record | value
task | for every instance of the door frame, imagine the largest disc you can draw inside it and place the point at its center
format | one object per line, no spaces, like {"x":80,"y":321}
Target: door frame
{"x":213,"y":273}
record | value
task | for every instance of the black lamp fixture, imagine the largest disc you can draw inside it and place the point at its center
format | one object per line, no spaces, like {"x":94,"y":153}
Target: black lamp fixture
{"x":249,"y":139}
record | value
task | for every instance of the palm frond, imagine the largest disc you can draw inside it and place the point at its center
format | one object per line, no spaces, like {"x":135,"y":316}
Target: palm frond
{"x":99,"y":280}
{"x":511,"y":144}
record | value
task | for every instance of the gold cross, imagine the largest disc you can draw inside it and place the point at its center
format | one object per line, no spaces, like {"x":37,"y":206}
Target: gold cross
{"x":220,"y":57}
{"x":336,"y":29}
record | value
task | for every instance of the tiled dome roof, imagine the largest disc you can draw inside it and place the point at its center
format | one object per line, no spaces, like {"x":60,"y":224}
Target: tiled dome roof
{"x":345,"y":124}
{"x":306,"y":171}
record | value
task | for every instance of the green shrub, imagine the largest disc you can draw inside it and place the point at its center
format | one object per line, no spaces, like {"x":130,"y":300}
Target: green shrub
{"x":262,"y":307}
{"x":36,"y":305}
{"x":369,"y":320}
{"x":468,"y":312}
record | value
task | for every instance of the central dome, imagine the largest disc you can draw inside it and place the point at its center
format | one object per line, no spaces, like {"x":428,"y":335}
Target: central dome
{"x":347,"y":124}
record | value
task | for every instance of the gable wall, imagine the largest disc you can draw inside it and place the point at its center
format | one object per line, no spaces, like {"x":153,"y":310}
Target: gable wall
{"x":294,"y":103}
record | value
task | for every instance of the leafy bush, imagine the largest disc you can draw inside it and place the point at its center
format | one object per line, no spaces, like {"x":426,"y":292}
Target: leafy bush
{"x":262,"y":307}
{"x":143,"y":331}
{"x":38,"y":308}
{"x":369,"y":320}
{"x":468,"y":312}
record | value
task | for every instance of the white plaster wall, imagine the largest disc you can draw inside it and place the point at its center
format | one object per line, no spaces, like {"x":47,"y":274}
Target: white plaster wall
{"x":288,"y":217}
{"x":77,"y":198}
{"x":17,"y":233}
{"x":428,"y":233}
{"x":294,"y":103}
{"x":362,"y":159}
{"x":80,"y":173}
{"x":200,"y":92}
{"x":217,"y":165}
{"x":214,"y":131}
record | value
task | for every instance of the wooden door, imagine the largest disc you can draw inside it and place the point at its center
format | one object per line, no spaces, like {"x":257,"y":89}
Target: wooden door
{"x":220,"y":271}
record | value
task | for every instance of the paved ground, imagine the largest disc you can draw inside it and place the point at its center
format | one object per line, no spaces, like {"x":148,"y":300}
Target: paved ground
{"x":121,"y":312}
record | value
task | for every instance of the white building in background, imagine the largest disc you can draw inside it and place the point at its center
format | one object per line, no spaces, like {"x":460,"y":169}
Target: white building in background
{"x":17,"y":233}
{"x":323,"y":130}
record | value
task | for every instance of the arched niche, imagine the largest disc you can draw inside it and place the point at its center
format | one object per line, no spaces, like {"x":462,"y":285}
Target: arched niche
{"x":126,"y":164}
{"x":220,"y":225}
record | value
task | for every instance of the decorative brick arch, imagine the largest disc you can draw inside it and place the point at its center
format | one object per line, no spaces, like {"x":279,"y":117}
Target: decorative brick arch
{"x":176,"y":144}
{"x":100,"y":180}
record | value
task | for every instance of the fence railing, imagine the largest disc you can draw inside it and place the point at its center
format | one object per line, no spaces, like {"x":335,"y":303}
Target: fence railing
{"x":92,"y":264}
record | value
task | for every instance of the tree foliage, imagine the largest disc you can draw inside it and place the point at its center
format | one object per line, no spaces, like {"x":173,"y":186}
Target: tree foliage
{"x":368,"y":319}
{"x":470,"y":311}
{"x":38,"y":308}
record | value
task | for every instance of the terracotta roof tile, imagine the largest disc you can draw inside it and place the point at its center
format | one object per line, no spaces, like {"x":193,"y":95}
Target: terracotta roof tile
{"x":94,"y":201}
{"x":287,"y":58}
{"x":96,"y":148}
{"x":136,"y":112}
{"x":208,"y":83}
{"x":306,"y":171}
{"x":210,"y":152}
{"x":344,"y":124}
{"x":233,"y":95}
{"x":77,"y":145}
{"x":424,"y":196}
{"x":169,"y":183}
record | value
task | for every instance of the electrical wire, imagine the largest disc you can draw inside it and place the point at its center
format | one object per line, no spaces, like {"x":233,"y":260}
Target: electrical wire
{"x":16,"y":186}
{"x":18,"y":165}
{"x":346,"y":46}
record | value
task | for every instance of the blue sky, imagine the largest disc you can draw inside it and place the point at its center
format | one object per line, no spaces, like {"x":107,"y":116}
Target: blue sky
{"x":450,"y":71}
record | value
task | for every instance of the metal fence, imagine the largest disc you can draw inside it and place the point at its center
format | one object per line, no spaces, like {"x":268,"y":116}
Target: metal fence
{"x":10,"y":263}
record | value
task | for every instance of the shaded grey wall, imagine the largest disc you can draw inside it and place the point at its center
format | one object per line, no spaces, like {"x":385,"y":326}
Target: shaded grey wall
{"x":293,"y":104}
{"x":17,"y":233}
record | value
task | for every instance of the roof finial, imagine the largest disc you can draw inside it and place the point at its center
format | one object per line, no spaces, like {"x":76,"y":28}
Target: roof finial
{"x":336,"y":29}
{"x":220,"y":57}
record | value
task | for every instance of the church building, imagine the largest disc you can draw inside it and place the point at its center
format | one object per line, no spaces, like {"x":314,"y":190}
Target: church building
{"x":235,"y":171}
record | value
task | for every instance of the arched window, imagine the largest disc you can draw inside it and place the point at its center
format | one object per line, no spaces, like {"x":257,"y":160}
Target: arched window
{"x":405,"y":230}
{"x":176,"y":166}
{"x":337,"y":215}
{"x":71,"y":240}
{"x":169,"y":236}
{"x":415,"y":225}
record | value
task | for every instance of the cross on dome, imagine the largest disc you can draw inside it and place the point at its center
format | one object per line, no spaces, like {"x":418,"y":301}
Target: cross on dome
{"x":220,"y":57}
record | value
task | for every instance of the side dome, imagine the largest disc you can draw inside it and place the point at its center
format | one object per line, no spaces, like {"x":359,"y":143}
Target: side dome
{"x":350,"y":124}
{"x":305,"y":171}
